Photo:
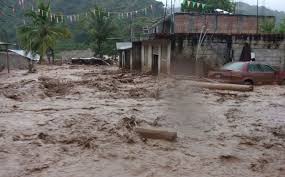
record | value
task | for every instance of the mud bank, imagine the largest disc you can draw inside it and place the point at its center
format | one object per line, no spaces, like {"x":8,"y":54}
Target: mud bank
{"x":79,"y":121}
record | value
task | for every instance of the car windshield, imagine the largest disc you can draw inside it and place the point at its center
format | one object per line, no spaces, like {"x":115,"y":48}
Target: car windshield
{"x":233,"y":66}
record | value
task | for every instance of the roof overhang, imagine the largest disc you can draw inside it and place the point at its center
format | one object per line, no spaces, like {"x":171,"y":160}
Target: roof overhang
{"x":124,"y":45}
{"x":28,"y":55}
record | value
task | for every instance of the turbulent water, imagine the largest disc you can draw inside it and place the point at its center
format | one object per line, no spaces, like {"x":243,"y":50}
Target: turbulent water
{"x":78,"y":121}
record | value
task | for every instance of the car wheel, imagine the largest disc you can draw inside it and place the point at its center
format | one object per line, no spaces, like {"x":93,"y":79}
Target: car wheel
{"x":248,"y":82}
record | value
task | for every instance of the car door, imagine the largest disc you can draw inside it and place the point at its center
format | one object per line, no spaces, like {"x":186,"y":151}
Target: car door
{"x":256,"y":73}
{"x":268,"y":74}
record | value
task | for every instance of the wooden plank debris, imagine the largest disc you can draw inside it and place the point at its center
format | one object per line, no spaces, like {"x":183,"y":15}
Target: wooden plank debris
{"x":155,"y":133}
{"x":222,"y":86}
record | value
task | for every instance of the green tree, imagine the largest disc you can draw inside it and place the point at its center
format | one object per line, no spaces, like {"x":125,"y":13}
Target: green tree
{"x":268,"y":26}
{"x":281,"y":27}
{"x":3,"y":35}
{"x":211,"y":5}
{"x":100,"y":27}
{"x":41,"y":33}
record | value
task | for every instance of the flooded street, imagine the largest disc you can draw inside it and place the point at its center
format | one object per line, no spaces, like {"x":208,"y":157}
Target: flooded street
{"x":72,"y":121}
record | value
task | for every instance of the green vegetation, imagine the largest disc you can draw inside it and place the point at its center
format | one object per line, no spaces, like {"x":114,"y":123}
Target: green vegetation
{"x":211,"y":5}
{"x":268,"y":26}
{"x":3,"y":35}
{"x":41,"y":33}
{"x":80,"y":37}
{"x":100,"y":27}
{"x":281,"y":27}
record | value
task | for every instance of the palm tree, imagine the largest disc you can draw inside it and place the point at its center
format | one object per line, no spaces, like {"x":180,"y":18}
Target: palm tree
{"x":100,"y":27}
{"x":42,"y":32}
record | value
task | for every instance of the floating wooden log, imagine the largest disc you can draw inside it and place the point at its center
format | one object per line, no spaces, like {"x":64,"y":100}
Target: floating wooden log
{"x":155,"y":133}
{"x":221,"y":86}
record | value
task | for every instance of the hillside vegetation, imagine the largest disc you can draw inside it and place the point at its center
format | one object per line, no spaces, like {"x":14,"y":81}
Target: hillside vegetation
{"x":10,"y":21}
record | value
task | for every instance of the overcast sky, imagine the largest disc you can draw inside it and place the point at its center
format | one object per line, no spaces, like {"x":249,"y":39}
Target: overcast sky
{"x":273,"y":4}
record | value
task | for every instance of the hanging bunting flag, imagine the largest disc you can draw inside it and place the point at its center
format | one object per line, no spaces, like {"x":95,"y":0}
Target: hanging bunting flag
{"x":203,"y":6}
{"x":189,"y":3}
{"x":198,"y":4}
{"x":76,"y":17}
{"x":194,"y":4}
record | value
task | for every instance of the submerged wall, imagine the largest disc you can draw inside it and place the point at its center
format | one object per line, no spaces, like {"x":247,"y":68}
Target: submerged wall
{"x":15,"y":61}
{"x":212,"y":55}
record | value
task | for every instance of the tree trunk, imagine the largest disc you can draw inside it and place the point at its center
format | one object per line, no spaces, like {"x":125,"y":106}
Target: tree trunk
{"x":41,"y":59}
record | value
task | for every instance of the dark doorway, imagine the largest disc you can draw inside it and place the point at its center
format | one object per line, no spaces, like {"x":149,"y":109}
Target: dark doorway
{"x":246,"y":53}
{"x":154,"y":66}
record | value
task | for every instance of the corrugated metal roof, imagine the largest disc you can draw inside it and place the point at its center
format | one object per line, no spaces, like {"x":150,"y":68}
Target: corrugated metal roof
{"x":29,"y":55}
{"x":124,"y":45}
{"x":5,"y":43}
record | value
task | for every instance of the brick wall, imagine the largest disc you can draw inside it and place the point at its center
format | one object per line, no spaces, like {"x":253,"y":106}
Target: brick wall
{"x":216,"y":23}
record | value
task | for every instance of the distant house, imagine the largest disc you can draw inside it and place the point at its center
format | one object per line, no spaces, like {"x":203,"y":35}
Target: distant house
{"x":176,"y":43}
{"x":18,"y":59}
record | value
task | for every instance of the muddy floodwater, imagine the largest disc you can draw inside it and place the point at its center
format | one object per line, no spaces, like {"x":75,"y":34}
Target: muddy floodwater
{"x":78,"y":121}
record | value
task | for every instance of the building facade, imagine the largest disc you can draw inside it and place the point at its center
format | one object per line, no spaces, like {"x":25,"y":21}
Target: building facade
{"x":183,"y":43}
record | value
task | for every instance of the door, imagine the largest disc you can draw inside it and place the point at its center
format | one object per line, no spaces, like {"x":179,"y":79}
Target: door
{"x":154,"y":66}
{"x":268,"y":74}
{"x":256,"y":73}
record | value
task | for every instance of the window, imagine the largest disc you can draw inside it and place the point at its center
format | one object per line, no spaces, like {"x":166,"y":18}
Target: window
{"x":267,"y":68}
{"x":233,"y":66}
{"x":254,"y":68}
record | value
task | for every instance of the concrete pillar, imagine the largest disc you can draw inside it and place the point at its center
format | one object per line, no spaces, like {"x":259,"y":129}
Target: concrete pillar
{"x":283,"y":62}
{"x":159,"y":58}
{"x":131,"y":59}
{"x":142,"y":58}
{"x":168,"y":56}
{"x":123,"y":59}
{"x":149,"y":57}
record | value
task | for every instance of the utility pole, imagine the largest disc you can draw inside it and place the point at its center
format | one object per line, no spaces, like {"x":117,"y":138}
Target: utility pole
{"x":257,"y":16}
{"x":7,"y":58}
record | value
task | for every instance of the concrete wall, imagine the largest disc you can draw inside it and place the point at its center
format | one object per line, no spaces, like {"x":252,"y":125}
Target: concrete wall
{"x":136,"y":56}
{"x":15,"y":61}
{"x":209,"y":56}
{"x":265,"y":52}
{"x":161,"y":48}
{"x":214,"y":55}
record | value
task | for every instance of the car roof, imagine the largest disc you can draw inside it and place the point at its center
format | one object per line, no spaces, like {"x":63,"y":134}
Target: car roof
{"x":250,"y":62}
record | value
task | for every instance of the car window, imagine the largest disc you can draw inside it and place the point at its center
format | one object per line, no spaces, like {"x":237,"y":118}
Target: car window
{"x":267,"y":68}
{"x":254,"y":68}
{"x":233,"y":66}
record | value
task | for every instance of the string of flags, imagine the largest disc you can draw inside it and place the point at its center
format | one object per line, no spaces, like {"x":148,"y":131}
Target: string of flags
{"x":195,"y":4}
{"x":76,"y":17}
{"x":61,"y":18}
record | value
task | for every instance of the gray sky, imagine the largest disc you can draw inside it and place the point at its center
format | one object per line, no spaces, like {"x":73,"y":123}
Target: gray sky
{"x":273,"y":4}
